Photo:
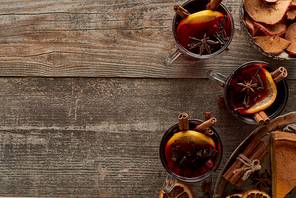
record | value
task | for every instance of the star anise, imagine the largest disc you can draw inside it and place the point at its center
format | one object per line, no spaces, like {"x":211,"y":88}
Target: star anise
{"x":261,"y":180}
{"x":247,"y":86}
{"x":206,"y":187}
{"x":203,"y":43}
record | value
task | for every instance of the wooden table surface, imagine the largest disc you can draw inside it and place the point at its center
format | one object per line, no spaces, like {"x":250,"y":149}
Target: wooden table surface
{"x":85,"y":96}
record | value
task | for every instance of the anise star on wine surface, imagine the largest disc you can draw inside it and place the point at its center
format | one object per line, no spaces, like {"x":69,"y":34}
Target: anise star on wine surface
{"x":203,"y":43}
{"x":247,"y":86}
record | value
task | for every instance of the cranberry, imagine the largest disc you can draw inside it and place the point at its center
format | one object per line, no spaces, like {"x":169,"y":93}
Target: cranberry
{"x":215,"y":26}
{"x":178,"y":171}
{"x":231,"y":93}
{"x":232,"y":100}
{"x":187,"y":172}
{"x":171,"y":165}
{"x":240,"y":78}
{"x":196,"y":164}
{"x":249,"y":77}
{"x":209,"y":164}
{"x":184,"y":165}
{"x":203,"y":170}
{"x":233,"y":82}
{"x":239,"y":97}
{"x":195,"y":173}
{"x":237,"y":89}
{"x":245,"y":72}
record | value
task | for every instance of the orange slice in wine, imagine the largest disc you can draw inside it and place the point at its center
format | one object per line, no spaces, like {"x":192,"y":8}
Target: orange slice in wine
{"x":197,"y":24}
{"x":267,"y":100}
{"x":188,"y":139}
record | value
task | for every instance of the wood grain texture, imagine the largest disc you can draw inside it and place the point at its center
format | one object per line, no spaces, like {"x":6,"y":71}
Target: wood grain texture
{"x":116,"y":38}
{"x":100,"y":136}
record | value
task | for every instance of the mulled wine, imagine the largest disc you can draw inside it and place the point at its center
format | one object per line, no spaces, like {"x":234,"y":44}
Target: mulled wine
{"x":204,"y":32}
{"x":190,"y":159}
{"x":251,"y":89}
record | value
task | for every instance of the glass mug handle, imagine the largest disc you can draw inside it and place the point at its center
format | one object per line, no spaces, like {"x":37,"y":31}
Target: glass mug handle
{"x":169,"y":184}
{"x":173,"y":56}
{"x":217,"y":77}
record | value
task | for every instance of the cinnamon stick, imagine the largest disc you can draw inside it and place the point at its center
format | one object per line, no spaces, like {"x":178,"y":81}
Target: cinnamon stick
{"x":237,"y":164}
{"x":255,"y":155}
{"x":208,"y":132}
{"x":279,"y":78}
{"x":213,"y":5}
{"x":183,"y":122}
{"x":258,"y":119}
{"x":203,"y":126}
{"x":279,"y":74}
{"x":261,"y":118}
{"x":260,"y":158}
{"x":181,"y":11}
{"x":264,"y":117}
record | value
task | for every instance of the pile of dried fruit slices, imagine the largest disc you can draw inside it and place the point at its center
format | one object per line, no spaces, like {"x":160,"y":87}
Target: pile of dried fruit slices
{"x":272,"y":24}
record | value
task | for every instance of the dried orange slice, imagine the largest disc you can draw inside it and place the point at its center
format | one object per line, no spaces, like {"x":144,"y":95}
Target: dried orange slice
{"x":179,"y":190}
{"x":236,"y":195}
{"x":255,"y":193}
{"x":269,"y":98}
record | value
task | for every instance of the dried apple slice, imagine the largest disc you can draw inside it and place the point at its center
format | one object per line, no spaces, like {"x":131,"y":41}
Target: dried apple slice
{"x":258,"y":32}
{"x":271,"y":44}
{"x":272,"y":30}
{"x":290,"y":36}
{"x":249,"y":24}
{"x":291,"y":14}
{"x":262,"y":12}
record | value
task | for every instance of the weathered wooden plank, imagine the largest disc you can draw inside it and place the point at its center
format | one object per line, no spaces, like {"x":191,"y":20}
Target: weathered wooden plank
{"x":100,"y":136}
{"x":105,"y":39}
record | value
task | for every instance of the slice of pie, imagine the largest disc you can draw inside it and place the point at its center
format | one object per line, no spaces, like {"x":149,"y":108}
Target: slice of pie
{"x":283,"y":158}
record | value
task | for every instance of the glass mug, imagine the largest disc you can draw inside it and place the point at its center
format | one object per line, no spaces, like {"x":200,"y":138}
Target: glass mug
{"x":194,"y":166}
{"x":225,"y":82}
{"x":193,"y":6}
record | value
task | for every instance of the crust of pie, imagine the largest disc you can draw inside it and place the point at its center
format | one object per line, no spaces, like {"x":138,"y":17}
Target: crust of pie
{"x":283,"y":158}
